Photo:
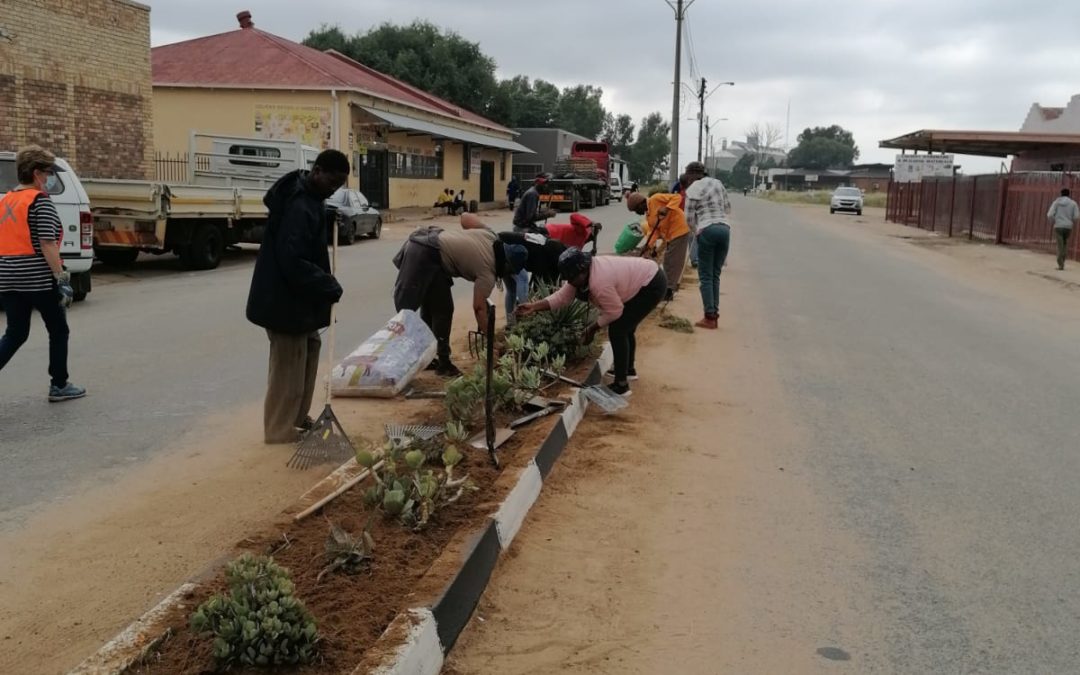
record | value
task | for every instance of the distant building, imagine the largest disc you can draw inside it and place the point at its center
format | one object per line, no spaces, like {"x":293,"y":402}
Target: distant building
{"x":730,"y":153}
{"x":867,"y":177}
{"x":545,"y":146}
{"x":1049,"y":120}
{"x":406,"y":145}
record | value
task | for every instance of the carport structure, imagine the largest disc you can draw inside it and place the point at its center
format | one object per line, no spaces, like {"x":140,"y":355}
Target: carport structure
{"x":1008,"y":207}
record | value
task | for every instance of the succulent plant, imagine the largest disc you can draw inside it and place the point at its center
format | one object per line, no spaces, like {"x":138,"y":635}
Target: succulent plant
{"x":259,"y":622}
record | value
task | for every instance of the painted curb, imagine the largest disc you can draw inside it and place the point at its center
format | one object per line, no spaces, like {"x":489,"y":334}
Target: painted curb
{"x":418,"y":639}
{"x":416,"y":653}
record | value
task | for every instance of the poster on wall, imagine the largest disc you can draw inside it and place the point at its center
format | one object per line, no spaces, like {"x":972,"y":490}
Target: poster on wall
{"x":474,"y":161}
{"x":309,"y":124}
{"x":913,"y":168}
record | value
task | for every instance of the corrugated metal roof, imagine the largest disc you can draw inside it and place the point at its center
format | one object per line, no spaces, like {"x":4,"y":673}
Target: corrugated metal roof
{"x":443,"y":131}
{"x":981,"y":143}
{"x":251,"y":58}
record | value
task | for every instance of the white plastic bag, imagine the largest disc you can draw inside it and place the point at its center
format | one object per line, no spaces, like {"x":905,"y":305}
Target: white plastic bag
{"x":387,"y":361}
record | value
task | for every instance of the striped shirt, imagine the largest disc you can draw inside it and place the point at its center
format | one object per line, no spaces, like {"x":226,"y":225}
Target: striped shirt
{"x":31,"y":273}
{"x":707,"y":204}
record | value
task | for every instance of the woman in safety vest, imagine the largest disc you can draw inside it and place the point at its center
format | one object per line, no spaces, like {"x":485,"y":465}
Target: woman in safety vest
{"x":32,"y":275}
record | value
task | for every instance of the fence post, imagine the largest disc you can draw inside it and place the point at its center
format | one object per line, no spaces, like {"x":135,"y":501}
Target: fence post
{"x":952,"y":204}
{"x":974,"y":198}
{"x":1003,"y":198}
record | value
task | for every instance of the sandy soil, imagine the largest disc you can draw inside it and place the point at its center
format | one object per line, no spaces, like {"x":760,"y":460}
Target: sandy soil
{"x":652,"y":543}
{"x":78,"y":572}
{"x":683,"y":536}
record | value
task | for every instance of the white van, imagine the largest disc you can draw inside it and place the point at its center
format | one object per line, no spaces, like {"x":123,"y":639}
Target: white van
{"x":616,"y":188}
{"x":77,"y":248}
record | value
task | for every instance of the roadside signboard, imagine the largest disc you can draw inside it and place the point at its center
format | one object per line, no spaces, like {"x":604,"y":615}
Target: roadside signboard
{"x":811,"y":178}
{"x":913,"y":168}
{"x":753,"y":170}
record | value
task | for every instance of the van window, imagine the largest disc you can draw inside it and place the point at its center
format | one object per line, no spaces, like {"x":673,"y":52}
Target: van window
{"x":254,"y":151}
{"x":9,"y":179}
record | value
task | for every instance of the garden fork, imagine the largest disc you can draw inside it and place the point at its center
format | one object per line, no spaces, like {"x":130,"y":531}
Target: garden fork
{"x":476,"y":344}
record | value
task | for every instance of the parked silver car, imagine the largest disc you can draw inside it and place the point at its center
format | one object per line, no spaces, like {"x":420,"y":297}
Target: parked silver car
{"x":355,"y":217}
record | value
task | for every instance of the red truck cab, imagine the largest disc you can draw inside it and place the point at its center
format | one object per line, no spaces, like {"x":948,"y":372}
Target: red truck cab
{"x":597,"y":151}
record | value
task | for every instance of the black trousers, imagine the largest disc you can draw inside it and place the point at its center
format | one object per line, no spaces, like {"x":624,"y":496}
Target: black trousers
{"x":622,"y":331}
{"x":423,"y":285}
{"x":20,"y":307}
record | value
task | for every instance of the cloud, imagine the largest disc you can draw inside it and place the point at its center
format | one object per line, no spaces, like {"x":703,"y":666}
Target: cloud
{"x":879,"y":68}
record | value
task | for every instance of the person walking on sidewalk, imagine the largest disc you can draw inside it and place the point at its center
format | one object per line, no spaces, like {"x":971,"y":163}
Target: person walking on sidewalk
{"x":664,"y":220}
{"x":427,"y":265}
{"x":32,"y":274}
{"x":292,"y":291}
{"x":513,"y":189}
{"x":707,"y":210}
{"x":625,"y":289}
{"x":1063,"y":215}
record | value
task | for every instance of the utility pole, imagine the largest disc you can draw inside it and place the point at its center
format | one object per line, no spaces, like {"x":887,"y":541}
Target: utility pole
{"x":700,"y":116}
{"x":680,"y":7}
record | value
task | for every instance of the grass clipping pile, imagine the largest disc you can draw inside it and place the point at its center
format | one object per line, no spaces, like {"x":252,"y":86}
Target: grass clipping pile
{"x":314,"y":596}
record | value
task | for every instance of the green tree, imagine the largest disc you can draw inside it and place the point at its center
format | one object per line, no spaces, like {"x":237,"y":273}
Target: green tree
{"x":580,"y":110}
{"x":830,"y":147}
{"x":650,"y":152}
{"x":618,"y":133}
{"x":444,"y":64}
{"x":540,"y":107}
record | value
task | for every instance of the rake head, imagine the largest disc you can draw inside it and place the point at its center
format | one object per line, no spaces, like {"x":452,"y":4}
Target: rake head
{"x":398,"y":434}
{"x":477,"y":341}
{"x":325,"y":442}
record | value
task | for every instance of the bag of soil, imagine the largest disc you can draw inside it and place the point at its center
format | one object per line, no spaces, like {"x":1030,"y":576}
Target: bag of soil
{"x":387,"y":361}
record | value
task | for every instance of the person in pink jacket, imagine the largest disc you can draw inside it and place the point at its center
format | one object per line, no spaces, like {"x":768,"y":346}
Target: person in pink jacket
{"x":625,"y":290}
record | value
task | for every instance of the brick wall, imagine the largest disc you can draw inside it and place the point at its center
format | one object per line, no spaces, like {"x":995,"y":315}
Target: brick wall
{"x":75,"y":78}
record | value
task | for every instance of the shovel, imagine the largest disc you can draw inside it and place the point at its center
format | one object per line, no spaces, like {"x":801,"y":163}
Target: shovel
{"x":601,"y":395}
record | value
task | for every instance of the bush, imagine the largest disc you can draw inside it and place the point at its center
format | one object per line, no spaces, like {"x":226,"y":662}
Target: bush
{"x":259,"y":622}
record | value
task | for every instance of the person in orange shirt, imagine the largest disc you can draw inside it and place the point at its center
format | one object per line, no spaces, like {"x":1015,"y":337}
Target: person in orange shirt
{"x":664,"y":221}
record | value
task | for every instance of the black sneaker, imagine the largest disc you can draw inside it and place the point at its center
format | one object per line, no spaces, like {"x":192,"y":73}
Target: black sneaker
{"x":447,"y":370}
{"x":434,"y":365}
{"x":630,"y":374}
{"x":307,"y":425}
{"x":622,"y":390}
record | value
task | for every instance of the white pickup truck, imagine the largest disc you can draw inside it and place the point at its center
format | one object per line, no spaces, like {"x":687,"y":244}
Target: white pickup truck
{"x":73,"y":205}
{"x":220,"y":203}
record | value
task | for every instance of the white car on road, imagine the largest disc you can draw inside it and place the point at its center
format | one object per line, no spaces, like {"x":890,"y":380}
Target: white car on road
{"x":77,"y":248}
{"x":846,"y":199}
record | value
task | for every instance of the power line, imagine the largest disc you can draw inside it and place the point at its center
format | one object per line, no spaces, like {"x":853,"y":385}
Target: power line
{"x":694,"y":72}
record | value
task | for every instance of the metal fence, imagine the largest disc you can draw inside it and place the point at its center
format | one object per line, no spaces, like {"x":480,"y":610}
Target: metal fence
{"x":1008,"y":208}
{"x":169,"y":168}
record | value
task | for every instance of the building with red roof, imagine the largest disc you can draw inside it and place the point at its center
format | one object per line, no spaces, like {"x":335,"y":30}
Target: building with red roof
{"x":406,"y":145}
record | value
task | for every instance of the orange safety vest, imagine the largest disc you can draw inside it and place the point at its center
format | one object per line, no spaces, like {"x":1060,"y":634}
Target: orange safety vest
{"x":15,"y":222}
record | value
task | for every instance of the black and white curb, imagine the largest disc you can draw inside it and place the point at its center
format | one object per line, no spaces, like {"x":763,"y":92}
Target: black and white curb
{"x":417,"y":641}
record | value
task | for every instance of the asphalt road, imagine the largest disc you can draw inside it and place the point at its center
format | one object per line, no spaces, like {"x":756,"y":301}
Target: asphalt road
{"x":160,"y":350}
{"x":941,"y":433}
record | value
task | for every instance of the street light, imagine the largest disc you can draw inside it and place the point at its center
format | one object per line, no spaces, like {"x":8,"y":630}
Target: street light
{"x":702,"y":97}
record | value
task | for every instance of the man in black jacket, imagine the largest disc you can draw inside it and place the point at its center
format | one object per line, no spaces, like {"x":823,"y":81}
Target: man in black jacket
{"x":292,"y":291}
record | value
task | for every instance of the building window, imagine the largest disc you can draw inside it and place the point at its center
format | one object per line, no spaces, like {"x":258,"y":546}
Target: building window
{"x":527,"y":172}
{"x":465,"y":156}
{"x":502,"y":167}
{"x":406,"y":165}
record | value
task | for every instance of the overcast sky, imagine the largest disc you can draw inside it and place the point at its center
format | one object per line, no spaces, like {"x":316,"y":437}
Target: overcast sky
{"x":880,"y":68}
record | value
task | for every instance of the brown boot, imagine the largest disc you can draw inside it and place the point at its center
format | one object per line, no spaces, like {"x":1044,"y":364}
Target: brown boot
{"x":709,"y":322}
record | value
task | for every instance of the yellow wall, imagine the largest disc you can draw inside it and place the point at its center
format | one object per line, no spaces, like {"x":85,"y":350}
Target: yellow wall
{"x":179,"y":111}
